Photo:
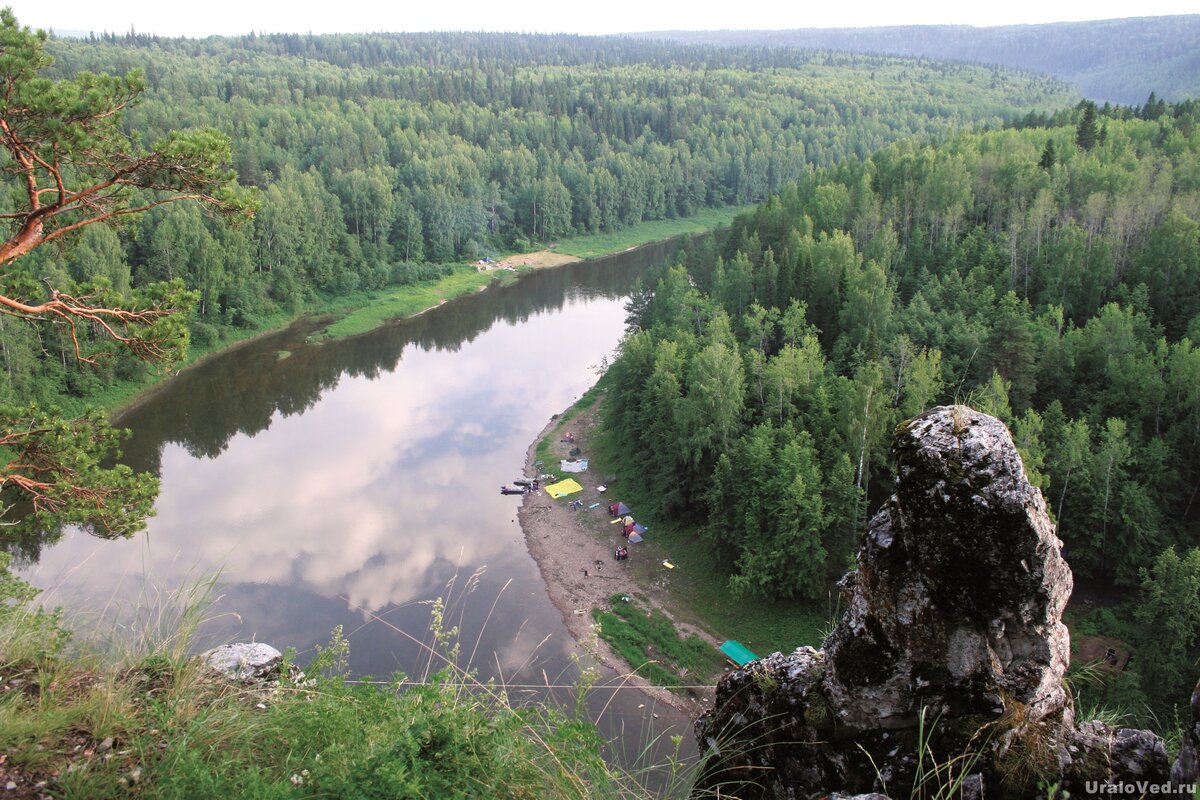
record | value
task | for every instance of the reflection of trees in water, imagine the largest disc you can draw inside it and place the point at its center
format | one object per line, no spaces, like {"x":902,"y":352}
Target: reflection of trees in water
{"x":240,"y":391}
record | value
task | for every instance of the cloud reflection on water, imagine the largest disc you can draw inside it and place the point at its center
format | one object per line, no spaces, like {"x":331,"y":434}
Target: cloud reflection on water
{"x":377,"y":493}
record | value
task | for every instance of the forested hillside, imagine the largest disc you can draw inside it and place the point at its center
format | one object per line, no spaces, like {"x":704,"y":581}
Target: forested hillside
{"x":1115,"y":60}
{"x":381,"y":158}
{"x":1049,"y":276}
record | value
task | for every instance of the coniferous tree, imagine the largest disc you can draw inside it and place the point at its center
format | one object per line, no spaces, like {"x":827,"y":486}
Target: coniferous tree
{"x":1086,"y":134}
{"x":1049,"y":158}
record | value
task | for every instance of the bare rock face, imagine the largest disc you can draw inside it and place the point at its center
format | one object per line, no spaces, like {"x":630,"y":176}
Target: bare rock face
{"x":952,"y":649}
{"x":957,"y":603}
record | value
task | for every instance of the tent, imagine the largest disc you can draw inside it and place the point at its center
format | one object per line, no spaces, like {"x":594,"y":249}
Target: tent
{"x":573,"y":465}
{"x":738,"y":653}
{"x":634,"y":531}
{"x":618,"y":509}
{"x":563,"y":488}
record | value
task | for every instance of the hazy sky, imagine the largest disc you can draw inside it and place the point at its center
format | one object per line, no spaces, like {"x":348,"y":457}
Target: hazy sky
{"x":188,"y":18}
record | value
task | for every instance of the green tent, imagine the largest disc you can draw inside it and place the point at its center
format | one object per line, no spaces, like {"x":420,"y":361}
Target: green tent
{"x":738,"y":653}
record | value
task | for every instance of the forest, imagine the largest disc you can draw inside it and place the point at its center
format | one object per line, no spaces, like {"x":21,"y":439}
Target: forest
{"x":1111,"y":60}
{"x":1043,"y":267}
{"x":1047,"y":275}
{"x":383,"y":160}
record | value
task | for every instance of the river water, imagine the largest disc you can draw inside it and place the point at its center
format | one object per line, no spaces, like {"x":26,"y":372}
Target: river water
{"x":352,"y":482}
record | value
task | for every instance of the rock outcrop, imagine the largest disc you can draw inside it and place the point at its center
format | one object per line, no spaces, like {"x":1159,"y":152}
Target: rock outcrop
{"x":1187,"y":765}
{"x":947,"y":667}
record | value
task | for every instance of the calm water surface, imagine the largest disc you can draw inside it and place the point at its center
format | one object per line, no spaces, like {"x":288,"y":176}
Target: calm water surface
{"x":352,"y":482}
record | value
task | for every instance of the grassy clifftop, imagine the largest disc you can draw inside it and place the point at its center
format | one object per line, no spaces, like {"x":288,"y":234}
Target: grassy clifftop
{"x":152,"y":722}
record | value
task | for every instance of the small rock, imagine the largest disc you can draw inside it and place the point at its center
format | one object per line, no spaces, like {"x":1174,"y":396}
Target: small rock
{"x":106,"y":744}
{"x":245,"y":662}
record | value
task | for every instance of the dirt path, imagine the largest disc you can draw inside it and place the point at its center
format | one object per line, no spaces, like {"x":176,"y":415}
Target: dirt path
{"x":574,"y":550}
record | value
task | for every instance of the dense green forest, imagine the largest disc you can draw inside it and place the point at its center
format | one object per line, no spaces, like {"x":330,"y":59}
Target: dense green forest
{"x":1047,"y":275}
{"x":381,"y":159}
{"x":1113,"y":60}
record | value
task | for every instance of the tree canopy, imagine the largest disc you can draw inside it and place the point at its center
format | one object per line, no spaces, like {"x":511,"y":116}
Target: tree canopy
{"x":1059,"y":294}
{"x":70,"y":165}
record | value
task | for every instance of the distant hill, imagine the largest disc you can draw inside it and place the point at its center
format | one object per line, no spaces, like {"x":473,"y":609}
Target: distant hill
{"x":1117,"y":60}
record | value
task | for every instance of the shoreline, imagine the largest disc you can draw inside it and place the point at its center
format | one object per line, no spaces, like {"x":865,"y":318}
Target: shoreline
{"x":546,"y":258}
{"x":573,"y":552}
{"x":145,"y":393}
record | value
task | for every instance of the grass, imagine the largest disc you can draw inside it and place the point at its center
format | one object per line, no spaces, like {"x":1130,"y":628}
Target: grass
{"x":649,"y":643}
{"x":696,"y":591}
{"x":595,"y":245}
{"x":372,"y":309}
{"x":699,"y":592}
{"x":144,"y":720}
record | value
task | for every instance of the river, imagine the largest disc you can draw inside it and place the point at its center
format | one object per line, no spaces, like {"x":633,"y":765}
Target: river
{"x":352,"y":482}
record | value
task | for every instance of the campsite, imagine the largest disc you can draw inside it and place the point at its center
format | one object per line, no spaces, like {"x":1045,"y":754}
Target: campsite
{"x":572,"y":537}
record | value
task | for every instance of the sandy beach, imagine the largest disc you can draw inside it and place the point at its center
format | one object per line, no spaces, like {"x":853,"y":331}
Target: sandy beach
{"x":574,"y":551}
{"x":540,"y":259}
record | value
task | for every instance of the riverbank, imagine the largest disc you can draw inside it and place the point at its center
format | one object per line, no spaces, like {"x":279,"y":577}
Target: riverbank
{"x":693,"y":595}
{"x":573,"y":549}
{"x":357,"y":314}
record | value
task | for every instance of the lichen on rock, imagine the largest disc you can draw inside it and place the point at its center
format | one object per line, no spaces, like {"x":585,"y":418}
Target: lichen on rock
{"x":952,"y":647}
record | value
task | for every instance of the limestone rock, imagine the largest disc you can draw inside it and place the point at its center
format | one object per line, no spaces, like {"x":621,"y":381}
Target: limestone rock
{"x":957,"y":602}
{"x":952,"y":647}
{"x":1097,"y":752}
{"x":246,"y":662}
{"x":1187,"y":765}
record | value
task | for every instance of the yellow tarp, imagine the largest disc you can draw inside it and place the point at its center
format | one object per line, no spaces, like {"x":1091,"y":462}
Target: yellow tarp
{"x":563,"y":488}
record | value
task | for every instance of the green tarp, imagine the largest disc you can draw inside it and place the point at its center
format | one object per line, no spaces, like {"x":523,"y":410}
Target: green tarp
{"x":738,"y":653}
